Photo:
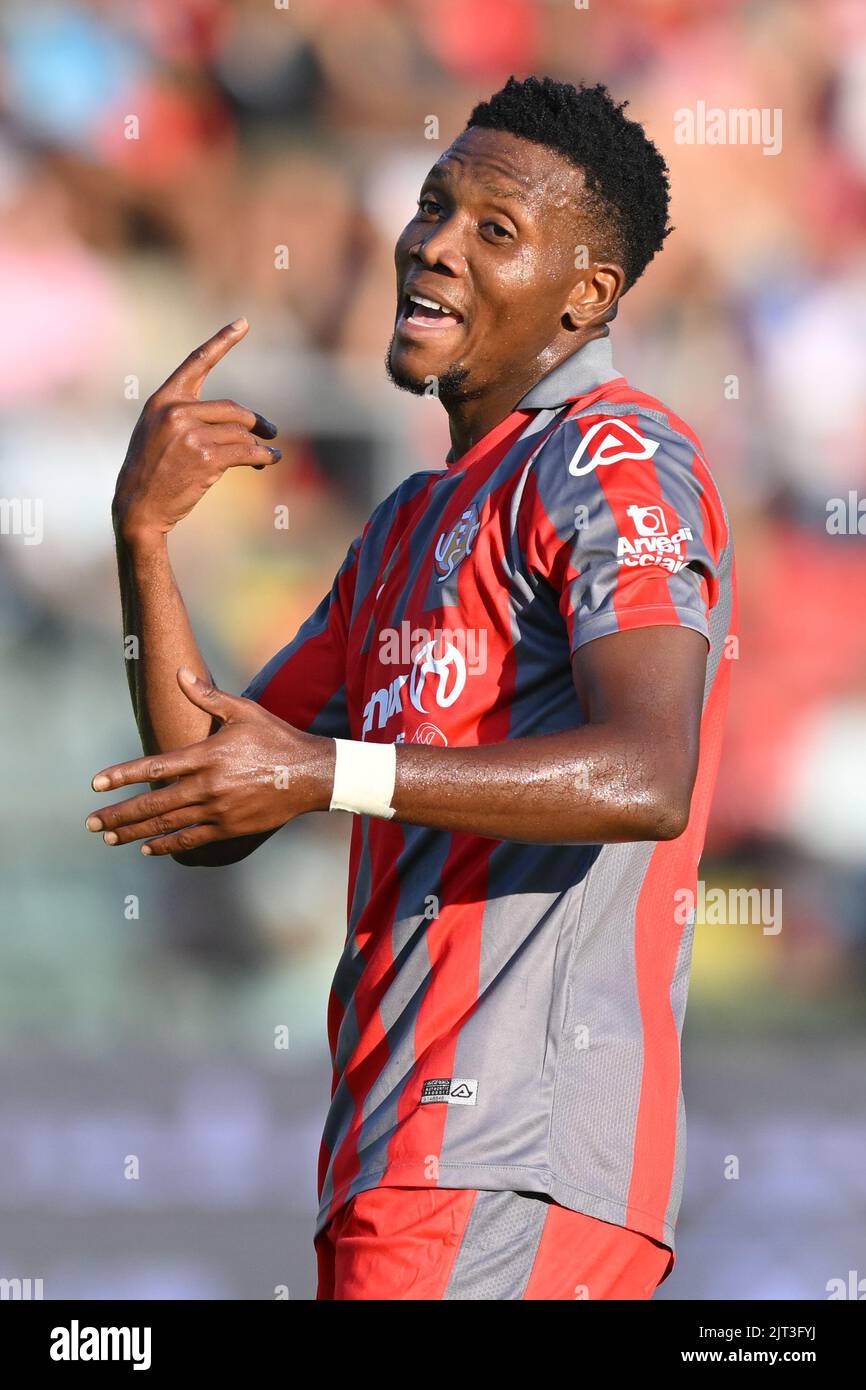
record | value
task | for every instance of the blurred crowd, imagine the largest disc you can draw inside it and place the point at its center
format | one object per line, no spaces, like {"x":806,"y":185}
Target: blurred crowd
{"x":166,"y":165}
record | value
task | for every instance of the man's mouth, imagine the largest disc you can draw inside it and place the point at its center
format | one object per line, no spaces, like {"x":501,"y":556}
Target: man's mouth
{"x":422,"y":314}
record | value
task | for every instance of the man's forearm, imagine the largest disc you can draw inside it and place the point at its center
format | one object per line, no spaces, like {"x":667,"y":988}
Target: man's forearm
{"x":596,"y":784}
{"x":604,"y":782}
{"x":154,"y":614}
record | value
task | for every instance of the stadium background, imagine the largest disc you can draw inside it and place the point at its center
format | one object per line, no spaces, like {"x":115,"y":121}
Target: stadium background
{"x":261,"y":128}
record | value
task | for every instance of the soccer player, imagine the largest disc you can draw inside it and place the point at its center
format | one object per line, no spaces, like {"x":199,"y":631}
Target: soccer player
{"x":517,"y":686}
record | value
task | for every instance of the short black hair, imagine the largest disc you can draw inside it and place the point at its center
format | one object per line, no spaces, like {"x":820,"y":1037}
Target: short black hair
{"x":626,"y":176}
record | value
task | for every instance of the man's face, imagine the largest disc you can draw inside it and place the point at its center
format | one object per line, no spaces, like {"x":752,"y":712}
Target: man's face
{"x":494,"y":245}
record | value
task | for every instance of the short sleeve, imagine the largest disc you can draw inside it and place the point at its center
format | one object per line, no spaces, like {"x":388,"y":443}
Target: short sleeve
{"x":305,"y":682}
{"x":616,"y":516}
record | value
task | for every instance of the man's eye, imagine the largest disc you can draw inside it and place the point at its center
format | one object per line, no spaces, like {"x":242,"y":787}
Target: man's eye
{"x":428,"y":206}
{"x":499,"y":232}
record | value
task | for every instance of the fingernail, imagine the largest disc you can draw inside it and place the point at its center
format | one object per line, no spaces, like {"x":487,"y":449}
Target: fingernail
{"x":109,"y":838}
{"x":100,"y":784}
{"x":268,"y":424}
{"x":259,"y":467}
{"x":237,"y":323}
{"x":277,"y":453}
{"x":187,"y":674}
{"x":146,"y":849}
{"x":93,"y":823}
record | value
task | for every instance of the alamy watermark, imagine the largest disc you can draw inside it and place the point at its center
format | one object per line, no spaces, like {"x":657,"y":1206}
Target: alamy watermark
{"x":22,"y":516}
{"x":406,"y":645}
{"x":714,"y":125}
{"x":722,"y":907}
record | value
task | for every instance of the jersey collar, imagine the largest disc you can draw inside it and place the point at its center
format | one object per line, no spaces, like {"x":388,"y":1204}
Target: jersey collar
{"x":584,"y":371}
{"x":588,"y":368}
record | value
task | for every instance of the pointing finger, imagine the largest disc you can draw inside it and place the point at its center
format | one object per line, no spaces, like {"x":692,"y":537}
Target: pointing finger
{"x":188,"y":379}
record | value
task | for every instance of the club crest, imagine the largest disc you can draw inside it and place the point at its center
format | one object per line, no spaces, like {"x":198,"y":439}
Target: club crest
{"x":453,"y":546}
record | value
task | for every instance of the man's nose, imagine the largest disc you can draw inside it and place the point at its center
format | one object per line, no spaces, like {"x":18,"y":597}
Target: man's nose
{"x":442,"y":248}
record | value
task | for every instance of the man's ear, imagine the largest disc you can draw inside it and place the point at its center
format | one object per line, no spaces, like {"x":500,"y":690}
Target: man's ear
{"x":594,"y":297}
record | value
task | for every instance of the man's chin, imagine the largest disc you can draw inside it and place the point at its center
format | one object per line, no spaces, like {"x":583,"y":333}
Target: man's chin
{"x":449,"y":385}
{"x":404,"y":379}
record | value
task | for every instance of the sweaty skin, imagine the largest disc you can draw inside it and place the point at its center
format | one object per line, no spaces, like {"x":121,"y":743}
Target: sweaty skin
{"x":497,"y":240}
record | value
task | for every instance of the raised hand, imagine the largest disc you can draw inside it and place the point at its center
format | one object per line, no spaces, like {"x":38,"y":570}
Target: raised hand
{"x":182,"y":445}
{"x":252,"y":776}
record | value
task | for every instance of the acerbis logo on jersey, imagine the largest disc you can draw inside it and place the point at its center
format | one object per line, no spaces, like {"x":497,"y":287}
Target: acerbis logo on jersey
{"x":451,"y":1090}
{"x":453,"y":546}
{"x":652,"y":545}
{"x":618,"y":444}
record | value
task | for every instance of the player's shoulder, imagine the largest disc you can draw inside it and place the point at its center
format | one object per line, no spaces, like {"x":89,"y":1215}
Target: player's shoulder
{"x":621,"y":430}
{"x":623,"y":446}
{"x":620,"y":424}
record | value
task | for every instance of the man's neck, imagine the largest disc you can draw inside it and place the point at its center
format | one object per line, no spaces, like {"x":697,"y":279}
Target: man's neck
{"x":469,"y":421}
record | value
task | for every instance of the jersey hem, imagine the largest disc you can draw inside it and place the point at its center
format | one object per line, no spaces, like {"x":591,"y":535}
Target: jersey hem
{"x":511,"y":1177}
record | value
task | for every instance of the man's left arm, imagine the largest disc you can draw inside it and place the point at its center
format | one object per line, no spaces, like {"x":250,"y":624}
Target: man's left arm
{"x":627,"y":774}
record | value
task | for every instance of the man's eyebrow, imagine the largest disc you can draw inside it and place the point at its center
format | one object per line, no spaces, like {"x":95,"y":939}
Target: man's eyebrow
{"x":499,"y":192}
{"x":440,"y":173}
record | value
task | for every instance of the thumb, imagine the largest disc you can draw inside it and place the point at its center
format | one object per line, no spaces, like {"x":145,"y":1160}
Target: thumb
{"x":207,"y":695}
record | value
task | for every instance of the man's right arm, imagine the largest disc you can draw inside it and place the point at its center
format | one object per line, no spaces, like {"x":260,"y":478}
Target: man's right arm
{"x":154,"y":612}
{"x":180,"y":447}
{"x":155,"y":615}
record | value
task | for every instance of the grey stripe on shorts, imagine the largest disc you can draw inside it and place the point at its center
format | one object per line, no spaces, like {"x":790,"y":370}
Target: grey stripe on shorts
{"x":499,"y":1247}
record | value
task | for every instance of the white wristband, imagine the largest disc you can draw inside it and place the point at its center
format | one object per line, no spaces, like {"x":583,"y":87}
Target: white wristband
{"x":364,"y":777}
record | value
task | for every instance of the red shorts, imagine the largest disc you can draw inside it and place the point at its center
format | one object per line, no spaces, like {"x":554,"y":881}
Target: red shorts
{"x":442,"y":1243}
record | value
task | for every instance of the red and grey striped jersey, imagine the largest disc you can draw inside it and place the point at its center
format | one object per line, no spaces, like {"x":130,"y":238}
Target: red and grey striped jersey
{"x":508,"y":1015}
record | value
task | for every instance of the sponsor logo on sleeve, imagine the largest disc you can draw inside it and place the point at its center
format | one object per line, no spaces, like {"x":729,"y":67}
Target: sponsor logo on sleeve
{"x":653,"y":544}
{"x":648,"y":521}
